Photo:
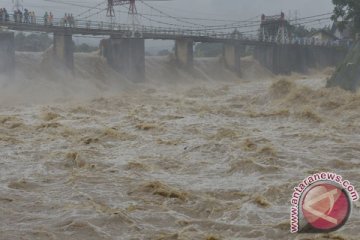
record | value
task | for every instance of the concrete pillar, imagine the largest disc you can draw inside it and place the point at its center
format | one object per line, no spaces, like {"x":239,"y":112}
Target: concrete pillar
{"x":232,"y":54}
{"x":126,"y":56}
{"x":265,"y":55}
{"x":64,"y":50}
{"x":282,"y":59}
{"x":105,"y":48}
{"x":298,"y":59}
{"x":184,"y":52}
{"x":274,"y":57}
{"x":7,"y":52}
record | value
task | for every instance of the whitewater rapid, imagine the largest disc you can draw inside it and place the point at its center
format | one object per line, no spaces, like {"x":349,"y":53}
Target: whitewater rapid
{"x":181,"y":156}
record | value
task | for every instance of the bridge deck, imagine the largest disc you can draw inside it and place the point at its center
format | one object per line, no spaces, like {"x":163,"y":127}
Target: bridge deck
{"x":127,"y":31}
{"x":144,"y":32}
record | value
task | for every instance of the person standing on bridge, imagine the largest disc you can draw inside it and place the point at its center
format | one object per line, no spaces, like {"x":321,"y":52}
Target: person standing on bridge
{"x":15,"y":16}
{"x":51,"y":19}
{"x":26,"y":16}
{"x":6,"y":14}
{"x":71,"y":20}
{"x":31,"y":17}
{"x":20,"y":16}
{"x":3,"y":14}
{"x":46,"y":16}
{"x":66,"y":18}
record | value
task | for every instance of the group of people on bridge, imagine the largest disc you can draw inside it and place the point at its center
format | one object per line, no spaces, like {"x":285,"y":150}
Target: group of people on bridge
{"x":19,"y":16}
{"x":29,"y":17}
{"x":48,"y":18}
{"x":4,"y":15}
{"x":24,"y":17}
{"x":68,"y":20}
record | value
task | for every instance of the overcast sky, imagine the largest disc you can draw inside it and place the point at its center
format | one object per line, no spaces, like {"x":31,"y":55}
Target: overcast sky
{"x":233,"y":9}
{"x":246,"y":8}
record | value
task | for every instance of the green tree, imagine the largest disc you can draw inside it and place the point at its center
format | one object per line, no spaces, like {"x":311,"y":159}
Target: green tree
{"x":85,"y":48}
{"x":347,"y":10}
{"x":208,"y":49}
{"x":164,"y":52}
{"x":347,"y":75}
{"x":299,"y":31}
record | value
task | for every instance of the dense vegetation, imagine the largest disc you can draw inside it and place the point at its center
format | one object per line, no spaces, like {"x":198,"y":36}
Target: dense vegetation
{"x":85,"y":48}
{"x":301,"y":31}
{"x":347,"y":75}
{"x":208,"y":49}
{"x":347,"y":11}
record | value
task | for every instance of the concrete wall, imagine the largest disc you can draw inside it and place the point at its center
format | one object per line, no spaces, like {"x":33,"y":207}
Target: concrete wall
{"x":347,"y":74}
{"x":232,"y":54}
{"x":284,"y":59}
{"x":126,"y":56}
{"x":64,"y":50}
{"x":265,"y":55}
{"x":281,"y":59}
{"x":184,"y":52}
{"x":7,"y":52}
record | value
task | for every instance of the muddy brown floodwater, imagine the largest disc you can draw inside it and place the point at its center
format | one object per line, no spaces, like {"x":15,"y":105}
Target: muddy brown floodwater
{"x":207,"y":160}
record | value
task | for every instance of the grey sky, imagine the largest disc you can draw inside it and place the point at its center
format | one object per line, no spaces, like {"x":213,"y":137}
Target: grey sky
{"x":247,"y":8}
{"x":233,"y":9}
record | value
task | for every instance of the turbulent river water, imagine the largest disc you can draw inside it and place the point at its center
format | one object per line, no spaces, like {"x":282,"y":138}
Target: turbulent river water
{"x":201,"y":155}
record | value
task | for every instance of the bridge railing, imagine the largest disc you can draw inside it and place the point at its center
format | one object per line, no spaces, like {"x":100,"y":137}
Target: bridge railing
{"x":137,"y":30}
{"x":45,"y":22}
